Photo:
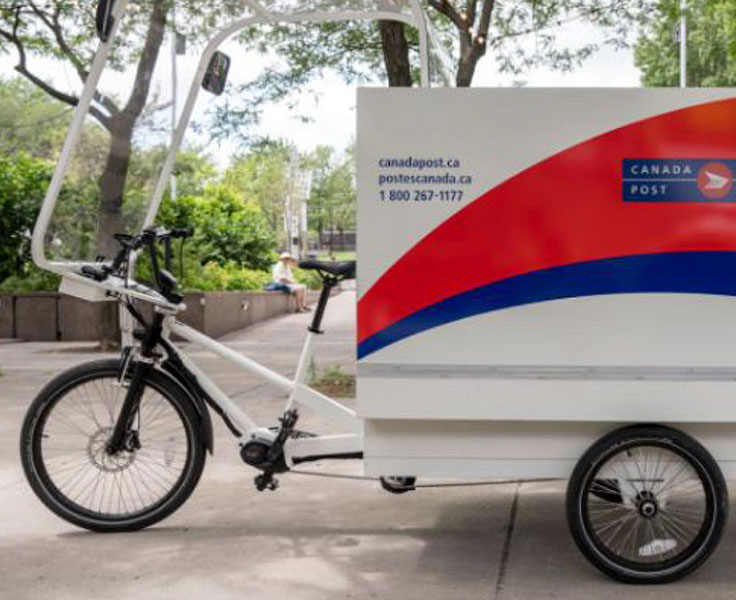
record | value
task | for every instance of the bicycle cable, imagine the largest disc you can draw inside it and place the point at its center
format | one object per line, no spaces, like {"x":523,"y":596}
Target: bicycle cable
{"x":430,"y":485}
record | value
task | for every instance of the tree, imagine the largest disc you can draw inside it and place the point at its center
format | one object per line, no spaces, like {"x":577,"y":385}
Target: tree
{"x":482,"y":24}
{"x":321,"y":197}
{"x":23,"y":183}
{"x":54,"y":28}
{"x":332,"y":199}
{"x":711,"y":44}
{"x":30,"y":120}
{"x":263,"y":176}
{"x":63,"y":30}
{"x":469,"y":29}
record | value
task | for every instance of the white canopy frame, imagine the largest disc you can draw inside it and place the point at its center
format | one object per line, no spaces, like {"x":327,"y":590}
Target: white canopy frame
{"x":260,"y":16}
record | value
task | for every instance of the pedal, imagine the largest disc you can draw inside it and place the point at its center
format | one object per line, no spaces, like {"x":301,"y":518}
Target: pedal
{"x":266,"y":481}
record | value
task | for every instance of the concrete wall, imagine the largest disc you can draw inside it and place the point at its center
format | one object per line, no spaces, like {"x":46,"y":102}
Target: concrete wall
{"x":49,"y":316}
{"x":7,"y":316}
{"x":78,"y":319}
{"x":36,"y":316}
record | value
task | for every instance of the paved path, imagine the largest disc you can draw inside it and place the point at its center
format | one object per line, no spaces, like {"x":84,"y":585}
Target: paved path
{"x":314,"y":539}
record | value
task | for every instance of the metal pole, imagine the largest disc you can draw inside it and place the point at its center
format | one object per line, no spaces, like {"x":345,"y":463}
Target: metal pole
{"x":683,"y":43}
{"x":293,"y":202}
{"x":173,"y":96}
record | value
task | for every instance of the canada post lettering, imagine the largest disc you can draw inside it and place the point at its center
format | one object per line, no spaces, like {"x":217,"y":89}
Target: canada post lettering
{"x":679,"y":180}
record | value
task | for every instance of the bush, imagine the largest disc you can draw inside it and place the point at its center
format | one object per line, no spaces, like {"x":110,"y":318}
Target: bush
{"x":23,"y":183}
{"x":309,"y":278}
{"x":31,"y":279}
{"x":226,"y":227}
{"x":231,"y":277}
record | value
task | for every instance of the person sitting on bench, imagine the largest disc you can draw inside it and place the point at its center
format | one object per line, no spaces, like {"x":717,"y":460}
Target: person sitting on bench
{"x":283,"y":279}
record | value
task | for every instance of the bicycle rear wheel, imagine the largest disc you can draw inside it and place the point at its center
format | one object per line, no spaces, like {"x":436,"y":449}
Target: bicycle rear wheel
{"x":63,"y":450}
{"x":647,"y":504}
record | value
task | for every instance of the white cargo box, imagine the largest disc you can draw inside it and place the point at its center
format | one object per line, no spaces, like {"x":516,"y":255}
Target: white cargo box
{"x":537,"y":266}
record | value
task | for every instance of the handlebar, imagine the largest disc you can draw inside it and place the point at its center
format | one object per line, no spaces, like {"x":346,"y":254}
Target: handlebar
{"x":165,"y":282}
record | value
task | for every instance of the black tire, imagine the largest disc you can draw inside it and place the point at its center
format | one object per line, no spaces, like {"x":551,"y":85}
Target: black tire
{"x":649,"y":504}
{"x":128,"y":473}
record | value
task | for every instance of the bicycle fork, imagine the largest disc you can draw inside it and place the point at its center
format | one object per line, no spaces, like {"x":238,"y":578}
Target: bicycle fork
{"x":123,"y":436}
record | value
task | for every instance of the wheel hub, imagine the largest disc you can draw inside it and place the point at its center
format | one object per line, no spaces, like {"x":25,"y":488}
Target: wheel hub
{"x":646,"y":504}
{"x":102,"y":459}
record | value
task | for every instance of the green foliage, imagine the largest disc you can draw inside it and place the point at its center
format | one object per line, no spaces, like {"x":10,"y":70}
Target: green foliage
{"x":309,"y":278}
{"x":711,"y":44}
{"x":262,"y":175}
{"x":333,"y":381}
{"x":332,"y":201}
{"x":23,"y":183}
{"x":230,"y":276}
{"x":354,"y":50}
{"x":226,"y":227}
{"x":30,"y":121}
{"x":209,"y":277}
{"x":31,"y":279}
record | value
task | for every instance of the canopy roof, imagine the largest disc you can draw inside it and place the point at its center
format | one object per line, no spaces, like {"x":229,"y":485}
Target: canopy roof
{"x":120,"y":126}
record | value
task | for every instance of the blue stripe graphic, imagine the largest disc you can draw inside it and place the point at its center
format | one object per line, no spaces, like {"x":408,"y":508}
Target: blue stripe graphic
{"x":677,"y":272}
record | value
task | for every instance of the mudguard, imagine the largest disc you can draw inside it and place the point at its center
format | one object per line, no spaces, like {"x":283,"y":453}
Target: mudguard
{"x":183,"y":379}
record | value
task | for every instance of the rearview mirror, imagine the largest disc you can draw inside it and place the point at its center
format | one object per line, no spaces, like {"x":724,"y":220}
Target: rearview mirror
{"x":104,"y":19}
{"x":216,"y":75}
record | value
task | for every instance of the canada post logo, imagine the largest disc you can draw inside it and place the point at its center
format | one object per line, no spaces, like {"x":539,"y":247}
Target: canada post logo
{"x":672,"y":180}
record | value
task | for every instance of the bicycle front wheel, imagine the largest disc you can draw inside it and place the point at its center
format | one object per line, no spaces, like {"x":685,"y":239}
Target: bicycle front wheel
{"x":64,"y":440}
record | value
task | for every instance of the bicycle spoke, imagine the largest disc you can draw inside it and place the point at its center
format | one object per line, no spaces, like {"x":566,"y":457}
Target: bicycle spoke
{"x":74,"y":440}
{"x":646,"y":504}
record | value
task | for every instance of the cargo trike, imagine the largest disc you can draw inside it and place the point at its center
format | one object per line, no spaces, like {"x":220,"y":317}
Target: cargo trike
{"x":546,"y":292}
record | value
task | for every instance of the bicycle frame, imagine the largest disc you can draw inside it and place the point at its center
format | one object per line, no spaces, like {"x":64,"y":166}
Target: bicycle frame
{"x":299,"y":394}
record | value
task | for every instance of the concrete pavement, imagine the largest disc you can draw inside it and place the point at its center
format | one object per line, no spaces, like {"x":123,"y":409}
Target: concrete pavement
{"x":315,"y":538}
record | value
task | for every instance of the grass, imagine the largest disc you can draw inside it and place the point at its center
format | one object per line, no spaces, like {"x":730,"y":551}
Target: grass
{"x":333,"y":382}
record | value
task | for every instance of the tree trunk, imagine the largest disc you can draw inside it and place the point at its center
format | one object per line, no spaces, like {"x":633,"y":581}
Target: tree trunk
{"x":395,"y":53}
{"x":471,"y":52}
{"x":112,"y":189}
{"x":117,"y":164}
{"x":465,"y":71}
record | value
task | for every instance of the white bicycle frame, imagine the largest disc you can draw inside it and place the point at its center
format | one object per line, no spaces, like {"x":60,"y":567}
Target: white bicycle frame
{"x":299,"y":394}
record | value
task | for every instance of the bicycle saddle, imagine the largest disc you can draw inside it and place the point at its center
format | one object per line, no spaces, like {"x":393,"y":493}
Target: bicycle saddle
{"x":343,"y":269}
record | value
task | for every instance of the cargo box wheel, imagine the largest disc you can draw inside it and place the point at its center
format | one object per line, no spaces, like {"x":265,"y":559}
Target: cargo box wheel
{"x":647,"y":504}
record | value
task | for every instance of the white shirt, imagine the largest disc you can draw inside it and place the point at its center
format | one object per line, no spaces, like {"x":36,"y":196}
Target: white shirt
{"x":282,"y":271}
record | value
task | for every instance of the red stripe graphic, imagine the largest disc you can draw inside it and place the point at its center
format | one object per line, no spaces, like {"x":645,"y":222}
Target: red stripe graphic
{"x":563,"y":210}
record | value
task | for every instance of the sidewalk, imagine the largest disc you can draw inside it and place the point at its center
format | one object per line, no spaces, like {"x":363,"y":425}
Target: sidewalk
{"x":313,"y":539}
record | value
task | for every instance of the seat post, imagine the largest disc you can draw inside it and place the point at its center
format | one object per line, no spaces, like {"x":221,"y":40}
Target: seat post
{"x":327,"y":284}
